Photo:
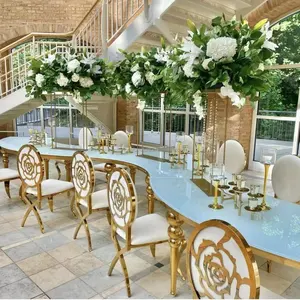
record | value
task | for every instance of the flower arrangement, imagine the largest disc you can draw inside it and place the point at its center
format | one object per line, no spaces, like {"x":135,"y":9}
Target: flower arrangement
{"x":78,"y":74}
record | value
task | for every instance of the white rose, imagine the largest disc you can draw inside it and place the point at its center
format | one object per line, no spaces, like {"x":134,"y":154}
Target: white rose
{"x":50,"y":59}
{"x":128,"y":88}
{"x":39,"y":79}
{"x":134,"y":68}
{"x":86,"y":82}
{"x":261,"y":67}
{"x":223,"y":47}
{"x":141,"y":105}
{"x":188,"y":70}
{"x":147,"y":64}
{"x":150,"y":77}
{"x":75,"y":77}
{"x":137,"y":79}
{"x":30,"y":73}
{"x":73,"y":65}
{"x":206,"y":62}
{"x":62,"y":80}
{"x":118,"y":87}
{"x":269,"y":45}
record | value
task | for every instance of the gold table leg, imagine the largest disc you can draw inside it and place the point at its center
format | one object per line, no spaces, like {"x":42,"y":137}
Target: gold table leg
{"x":108,"y":168}
{"x":5,"y":159}
{"x":46,"y":163}
{"x":150,"y":195}
{"x":133,"y":173}
{"x":68,"y":168}
{"x":177,"y":244}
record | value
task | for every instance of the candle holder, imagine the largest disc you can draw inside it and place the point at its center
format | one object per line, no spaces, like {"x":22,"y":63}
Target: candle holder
{"x":267,"y":158}
{"x":252,"y":204}
{"x":129,"y":132}
{"x":215,"y":204}
{"x":238,"y":201}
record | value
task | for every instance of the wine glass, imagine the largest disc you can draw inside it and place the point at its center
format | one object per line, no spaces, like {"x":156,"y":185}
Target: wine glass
{"x":129,"y":132}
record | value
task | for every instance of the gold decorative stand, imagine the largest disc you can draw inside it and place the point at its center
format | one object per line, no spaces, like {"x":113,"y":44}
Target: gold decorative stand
{"x":215,"y":204}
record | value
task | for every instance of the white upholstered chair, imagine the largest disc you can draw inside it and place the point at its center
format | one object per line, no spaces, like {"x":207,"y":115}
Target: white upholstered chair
{"x":6,"y":175}
{"x":285,"y":178}
{"x":235,"y":159}
{"x":85,"y":137}
{"x":121,"y":141}
{"x":31,"y":171}
{"x":147,"y":230}
{"x":221,"y":265}
{"x":84,"y":184}
{"x":186,"y":141}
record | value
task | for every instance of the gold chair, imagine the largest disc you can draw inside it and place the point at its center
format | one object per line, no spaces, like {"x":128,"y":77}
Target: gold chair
{"x":220,"y":264}
{"x":84,"y":183}
{"x":147,"y":230}
{"x":31,"y":172}
{"x":6,"y":175}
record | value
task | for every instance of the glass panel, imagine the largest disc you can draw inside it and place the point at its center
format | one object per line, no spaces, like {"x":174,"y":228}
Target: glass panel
{"x":152,"y":127}
{"x":30,"y":120}
{"x":198,"y":126}
{"x":177,"y":125}
{"x":79,"y":121}
{"x":275,"y":134}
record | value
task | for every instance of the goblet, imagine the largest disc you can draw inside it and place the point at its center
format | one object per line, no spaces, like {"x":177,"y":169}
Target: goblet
{"x":215,"y":204}
{"x":267,"y":158}
{"x":129,"y":131}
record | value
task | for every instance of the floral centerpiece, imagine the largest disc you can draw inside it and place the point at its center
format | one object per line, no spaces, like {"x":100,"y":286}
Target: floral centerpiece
{"x":78,"y":74}
{"x":230,"y":55}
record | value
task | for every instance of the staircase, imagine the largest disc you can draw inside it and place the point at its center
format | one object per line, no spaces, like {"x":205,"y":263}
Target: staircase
{"x":108,"y":26}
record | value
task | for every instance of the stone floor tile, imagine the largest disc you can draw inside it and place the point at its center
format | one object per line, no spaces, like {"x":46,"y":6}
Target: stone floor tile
{"x":69,"y":233}
{"x":292,"y":292}
{"x":4,"y":259}
{"x":296,"y":283}
{"x":53,"y":241}
{"x":22,"y":289}
{"x":41,"y":296}
{"x":37,"y":263}
{"x":100,"y":224}
{"x":98,"y":296}
{"x":99,"y":285}
{"x":99,"y":240}
{"x":82,"y":264}
{"x":285,"y":272}
{"x":136,"y":293}
{"x":62,"y":223}
{"x":272,"y":282}
{"x":106,"y":253}
{"x":157,"y":283}
{"x":67,"y":251}
{"x":16,"y":215}
{"x":34,"y":231}
{"x":183,"y":292}
{"x":52,"y":277}
{"x":23,"y":251}
{"x":260,"y":260}
{"x":12,"y":237}
{"x":74,"y":289}
{"x":10,"y":274}
{"x":6,"y":227}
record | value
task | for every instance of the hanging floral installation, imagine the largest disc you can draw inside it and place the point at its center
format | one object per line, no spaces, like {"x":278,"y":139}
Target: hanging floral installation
{"x":78,"y":74}
{"x":228,"y":56}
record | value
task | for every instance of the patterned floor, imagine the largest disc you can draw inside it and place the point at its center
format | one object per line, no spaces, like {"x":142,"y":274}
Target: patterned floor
{"x":53,"y":265}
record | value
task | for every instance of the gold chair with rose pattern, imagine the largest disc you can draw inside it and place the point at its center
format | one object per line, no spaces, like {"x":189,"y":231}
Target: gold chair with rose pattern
{"x":221,"y":265}
{"x":31,"y":171}
{"x":84,"y":183}
{"x":148,"y":230}
{"x":6,"y":175}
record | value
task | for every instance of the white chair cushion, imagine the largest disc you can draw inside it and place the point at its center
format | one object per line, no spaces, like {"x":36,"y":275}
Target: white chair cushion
{"x":101,"y":167}
{"x":285,"y":178}
{"x":267,"y":294}
{"x":99,"y":200}
{"x":51,"y":187}
{"x":150,"y":228}
{"x":7,"y":174}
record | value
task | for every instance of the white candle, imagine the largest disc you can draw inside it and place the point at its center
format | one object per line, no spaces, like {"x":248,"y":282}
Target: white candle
{"x":243,"y":184}
{"x":253,"y":203}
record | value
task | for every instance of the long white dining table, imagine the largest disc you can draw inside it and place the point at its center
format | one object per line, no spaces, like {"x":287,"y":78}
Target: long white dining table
{"x":273,"y":234}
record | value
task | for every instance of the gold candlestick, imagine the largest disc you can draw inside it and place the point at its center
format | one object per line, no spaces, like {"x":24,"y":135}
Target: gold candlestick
{"x":264,"y":205}
{"x":179,"y":162}
{"x":215,"y":204}
{"x":129,"y":144}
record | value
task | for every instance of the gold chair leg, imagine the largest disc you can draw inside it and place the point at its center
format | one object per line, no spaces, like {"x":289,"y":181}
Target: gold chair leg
{"x":113,"y":264}
{"x":123,"y":264}
{"x":72,"y":206}
{"x":39,"y":204}
{"x":152,"y":249}
{"x":181,"y":249}
{"x":50,"y":203}
{"x":32,"y":207}
{"x":6,"y":185}
{"x":108,"y":216}
{"x":58,"y":170}
{"x":83,"y":221}
{"x":269,"y":266}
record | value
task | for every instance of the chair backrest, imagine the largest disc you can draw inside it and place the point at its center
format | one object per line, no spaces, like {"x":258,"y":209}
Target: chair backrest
{"x":235,"y":159}
{"x":121,"y":138}
{"x":30,"y":165}
{"x":285,"y":178}
{"x":85,"y":137}
{"x":83,"y":176}
{"x":122,"y":200}
{"x":220,"y":263}
{"x":186,"y":140}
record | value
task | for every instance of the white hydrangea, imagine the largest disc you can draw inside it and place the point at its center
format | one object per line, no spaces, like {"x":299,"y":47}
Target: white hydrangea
{"x":73,"y":65}
{"x":96,"y":70}
{"x":161,"y":56}
{"x":188,"y":70}
{"x":147,"y":64}
{"x":119,"y":87}
{"x":62,"y":80}
{"x":137,"y":79}
{"x":30,"y":73}
{"x":200,"y":112}
{"x":128,"y":88}
{"x":150,"y":77}
{"x":39,"y":79}
{"x":134,"y":68}
{"x":50,"y":59}
{"x":75,"y":77}
{"x":141,"y":104}
{"x":206,"y":62}
{"x":86,"y":82}
{"x":223,"y":47}
{"x":227,"y":91}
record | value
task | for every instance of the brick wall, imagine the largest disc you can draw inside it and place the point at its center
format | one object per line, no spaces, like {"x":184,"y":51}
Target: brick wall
{"x":18,"y":18}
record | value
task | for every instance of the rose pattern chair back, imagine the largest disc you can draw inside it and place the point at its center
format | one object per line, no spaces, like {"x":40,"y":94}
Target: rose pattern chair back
{"x":85,"y":137}
{"x":220,"y":263}
{"x":121,"y":138}
{"x":122,"y":199}
{"x":30,"y":165}
{"x":82,"y":175}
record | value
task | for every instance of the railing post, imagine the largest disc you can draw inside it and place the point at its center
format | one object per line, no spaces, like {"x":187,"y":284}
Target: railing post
{"x":104,"y":18}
